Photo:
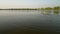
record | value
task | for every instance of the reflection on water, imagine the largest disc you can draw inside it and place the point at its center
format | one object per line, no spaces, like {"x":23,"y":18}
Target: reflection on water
{"x":29,"y":22}
{"x":56,"y":12}
{"x":49,"y":12}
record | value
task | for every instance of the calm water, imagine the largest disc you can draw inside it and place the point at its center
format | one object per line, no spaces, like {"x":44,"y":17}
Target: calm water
{"x":29,"y":22}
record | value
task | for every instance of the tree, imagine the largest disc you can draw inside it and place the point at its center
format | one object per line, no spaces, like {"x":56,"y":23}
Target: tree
{"x":48,"y":8}
{"x":42,"y":8}
{"x":56,"y":8}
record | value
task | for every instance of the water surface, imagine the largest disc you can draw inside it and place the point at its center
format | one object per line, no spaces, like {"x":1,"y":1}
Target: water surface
{"x":29,"y":22}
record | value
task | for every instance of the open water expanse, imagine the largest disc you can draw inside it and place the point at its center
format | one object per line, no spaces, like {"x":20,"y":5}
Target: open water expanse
{"x":29,"y":22}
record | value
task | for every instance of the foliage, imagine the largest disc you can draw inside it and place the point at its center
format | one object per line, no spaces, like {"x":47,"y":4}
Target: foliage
{"x":56,"y":8}
{"x":48,"y":8}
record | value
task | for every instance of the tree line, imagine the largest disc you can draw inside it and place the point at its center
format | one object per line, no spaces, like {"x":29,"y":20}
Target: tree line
{"x":49,"y":8}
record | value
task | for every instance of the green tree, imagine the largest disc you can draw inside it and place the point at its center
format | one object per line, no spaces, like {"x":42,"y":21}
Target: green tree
{"x":48,"y":8}
{"x":42,"y":8}
{"x":56,"y":8}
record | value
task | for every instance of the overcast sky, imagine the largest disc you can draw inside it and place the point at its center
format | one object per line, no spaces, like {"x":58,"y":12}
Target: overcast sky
{"x":28,"y":3}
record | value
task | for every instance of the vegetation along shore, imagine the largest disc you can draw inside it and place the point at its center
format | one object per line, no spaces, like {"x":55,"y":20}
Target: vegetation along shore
{"x":47,"y":8}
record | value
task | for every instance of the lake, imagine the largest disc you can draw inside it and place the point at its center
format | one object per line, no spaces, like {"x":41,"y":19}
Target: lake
{"x":29,"y":22}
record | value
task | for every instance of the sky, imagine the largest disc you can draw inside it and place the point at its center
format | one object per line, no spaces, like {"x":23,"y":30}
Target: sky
{"x":28,"y":3}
